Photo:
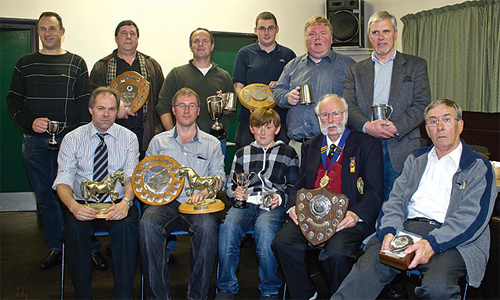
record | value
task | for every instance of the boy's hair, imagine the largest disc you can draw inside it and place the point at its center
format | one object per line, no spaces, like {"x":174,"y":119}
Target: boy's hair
{"x":264,"y":115}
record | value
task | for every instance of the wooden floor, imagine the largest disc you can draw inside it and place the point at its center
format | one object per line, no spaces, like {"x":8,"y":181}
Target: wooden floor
{"x":22,"y":249}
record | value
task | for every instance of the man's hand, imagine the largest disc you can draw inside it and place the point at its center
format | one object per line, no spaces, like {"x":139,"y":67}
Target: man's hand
{"x":350,"y":220}
{"x":118,"y":211}
{"x":198,"y":197}
{"x":381,"y":129}
{"x":294,"y":96}
{"x":123,"y":112}
{"x":386,"y":243}
{"x":423,"y":253}
{"x":293,"y":215}
{"x":40,"y":125}
{"x":272,"y":84}
{"x":83,"y":212}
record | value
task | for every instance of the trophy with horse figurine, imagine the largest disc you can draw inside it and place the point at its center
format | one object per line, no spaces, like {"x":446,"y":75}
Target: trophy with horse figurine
{"x":159,"y":180}
{"x":91,"y":189}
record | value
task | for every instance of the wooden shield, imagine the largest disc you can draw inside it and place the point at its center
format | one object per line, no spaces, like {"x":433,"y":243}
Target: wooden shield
{"x":156,"y":180}
{"x":257,"y":95}
{"x":133,"y":89}
{"x":319,"y":213}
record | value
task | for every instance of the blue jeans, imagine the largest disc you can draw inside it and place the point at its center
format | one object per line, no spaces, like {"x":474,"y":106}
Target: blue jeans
{"x":41,"y":166}
{"x":156,"y":224}
{"x":389,"y":174}
{"x":223,"y":146}
{"x":266,"y":224}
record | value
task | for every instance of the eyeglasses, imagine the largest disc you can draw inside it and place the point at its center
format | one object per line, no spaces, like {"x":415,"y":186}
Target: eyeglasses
{"x":334,"y":114}
{"x":183,"y":106}
{"x":447,"y":121}
{"x":270,"y":28}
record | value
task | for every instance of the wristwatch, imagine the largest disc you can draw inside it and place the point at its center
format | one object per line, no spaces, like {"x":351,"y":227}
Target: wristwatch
{"x":130,"y":203}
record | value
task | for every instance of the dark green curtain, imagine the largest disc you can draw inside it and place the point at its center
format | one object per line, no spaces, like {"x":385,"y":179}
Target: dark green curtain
{"x":461,"y":44}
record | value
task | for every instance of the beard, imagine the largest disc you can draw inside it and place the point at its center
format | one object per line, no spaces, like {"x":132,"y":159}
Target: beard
{"x":340,"y":127}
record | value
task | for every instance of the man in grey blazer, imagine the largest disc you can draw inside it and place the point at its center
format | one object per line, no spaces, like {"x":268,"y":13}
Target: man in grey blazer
{"x":388,"y":77}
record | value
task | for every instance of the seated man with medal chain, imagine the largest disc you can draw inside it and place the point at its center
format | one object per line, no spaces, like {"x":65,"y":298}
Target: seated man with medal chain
{"x":344,"y":162}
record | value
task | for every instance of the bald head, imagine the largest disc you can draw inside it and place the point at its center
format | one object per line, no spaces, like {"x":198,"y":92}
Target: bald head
{"x":332,"y":116}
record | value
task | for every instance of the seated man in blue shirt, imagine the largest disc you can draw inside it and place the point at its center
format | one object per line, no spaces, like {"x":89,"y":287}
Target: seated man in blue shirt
{"x":445,"y":194}
{"x":275,"y":166}
{"x":193,"y":148}
{"x":81,"y":158}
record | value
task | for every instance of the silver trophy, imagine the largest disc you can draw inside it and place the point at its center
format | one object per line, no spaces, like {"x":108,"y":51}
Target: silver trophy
{"x":53,"y":128}
{"x":382,"y":112}
{"x":244,"y":180}
{"x":215,"y":107}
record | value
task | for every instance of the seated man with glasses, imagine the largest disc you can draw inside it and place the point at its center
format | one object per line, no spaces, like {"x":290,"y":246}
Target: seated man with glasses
{"x":190,"y":147}
{"x":345,"y":162}
{"x":446,"y":194}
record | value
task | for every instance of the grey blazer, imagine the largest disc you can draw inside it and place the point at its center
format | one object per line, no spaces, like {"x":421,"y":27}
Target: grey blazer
{"x":409,"y":96}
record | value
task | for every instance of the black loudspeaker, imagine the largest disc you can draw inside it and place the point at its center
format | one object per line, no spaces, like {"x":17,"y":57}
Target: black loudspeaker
{"x":346,"y":17}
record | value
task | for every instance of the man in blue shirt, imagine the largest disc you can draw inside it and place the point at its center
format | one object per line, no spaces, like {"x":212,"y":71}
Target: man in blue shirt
{"x":321,"y":68}
{"x":261,"y":62}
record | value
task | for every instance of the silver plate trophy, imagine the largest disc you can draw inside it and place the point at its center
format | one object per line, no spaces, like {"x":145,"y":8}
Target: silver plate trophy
{"x":215,"y":111}
{"x":382,"y":112}
{"x":244,"y":180}
{"x":53,"y":128}
{"x":156,"y":180}
{"x":90,"y":189}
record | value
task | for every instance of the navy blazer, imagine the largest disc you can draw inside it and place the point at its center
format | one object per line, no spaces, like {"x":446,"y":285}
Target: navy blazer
{"x":409,"y":96}
{"x":367,"y":154}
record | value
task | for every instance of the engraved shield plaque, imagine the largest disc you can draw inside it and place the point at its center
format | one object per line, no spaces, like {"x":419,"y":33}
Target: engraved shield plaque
{"x":319,"y":212}
{"x":257,"y":95}
{"x":133,"y":89}
{"x":156,"y":180}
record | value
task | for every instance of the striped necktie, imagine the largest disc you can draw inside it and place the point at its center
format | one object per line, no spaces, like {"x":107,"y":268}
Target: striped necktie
{"x":101,"y":163}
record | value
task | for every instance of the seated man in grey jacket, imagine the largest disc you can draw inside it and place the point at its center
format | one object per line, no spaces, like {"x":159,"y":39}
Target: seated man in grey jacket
{"x":445,"y":194}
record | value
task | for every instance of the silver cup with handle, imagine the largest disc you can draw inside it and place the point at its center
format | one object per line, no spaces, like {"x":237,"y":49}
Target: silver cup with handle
{"x":53,"y":128}
{"x":382,"y":111}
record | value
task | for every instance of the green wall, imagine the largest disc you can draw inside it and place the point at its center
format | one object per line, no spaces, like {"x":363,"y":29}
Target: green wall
{"x":13,"y":178}
{"x":224,"y":54}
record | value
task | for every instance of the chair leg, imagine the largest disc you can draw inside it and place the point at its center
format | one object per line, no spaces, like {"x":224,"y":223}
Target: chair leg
{"x":62,"y":272}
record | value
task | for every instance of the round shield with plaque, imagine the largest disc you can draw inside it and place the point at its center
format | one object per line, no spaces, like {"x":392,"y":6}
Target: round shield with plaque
{"x":319,"y":212}
{"x":156,"y":180}
{"x":257,"y":95}
{"x":133,"y":89}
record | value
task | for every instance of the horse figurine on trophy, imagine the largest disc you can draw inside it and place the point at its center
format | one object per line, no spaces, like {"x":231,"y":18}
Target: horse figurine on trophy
{"x":92,"y":188}
{"x":195,"y":182}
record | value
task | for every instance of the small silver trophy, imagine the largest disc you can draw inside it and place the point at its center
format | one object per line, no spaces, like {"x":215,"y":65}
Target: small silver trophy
{"x":382,"y":112}
{"x":244,"y":180}
{"x":215,"y":107}
{"x":53,"y":128}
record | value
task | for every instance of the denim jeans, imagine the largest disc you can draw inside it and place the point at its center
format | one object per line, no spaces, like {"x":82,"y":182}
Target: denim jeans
{"x":41,"y":166}
{"x":156,"y":224}
{"x":266,"y":224}
{"x":223,"y":146}
{"x":389,"y":174}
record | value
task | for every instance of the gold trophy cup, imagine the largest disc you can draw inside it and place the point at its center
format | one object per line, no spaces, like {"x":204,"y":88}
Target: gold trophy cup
{"x":92,"y":188}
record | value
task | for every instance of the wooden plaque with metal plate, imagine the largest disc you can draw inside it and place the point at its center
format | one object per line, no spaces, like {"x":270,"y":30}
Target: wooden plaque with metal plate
{"x":194,"y":182}
{"x":257,"y":95}
{"x":319,"y":212}
{"x":90,"y":189}
{"x":133,"y":89}
{"x":395,"y":256}
{"x":156,"y":180}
